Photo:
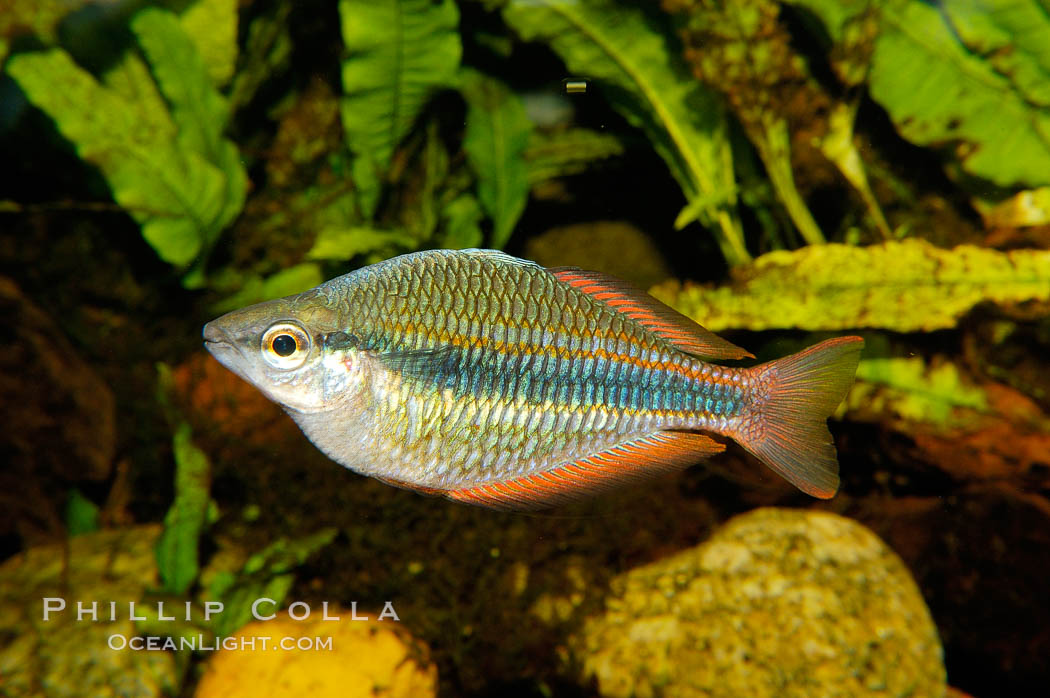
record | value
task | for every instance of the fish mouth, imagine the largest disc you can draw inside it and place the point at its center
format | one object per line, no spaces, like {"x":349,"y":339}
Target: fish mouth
{"x":213,"y":334}
{"x":218,"y":343}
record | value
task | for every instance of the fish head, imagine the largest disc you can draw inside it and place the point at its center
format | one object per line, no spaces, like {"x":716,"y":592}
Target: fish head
{"x":292,"y":349}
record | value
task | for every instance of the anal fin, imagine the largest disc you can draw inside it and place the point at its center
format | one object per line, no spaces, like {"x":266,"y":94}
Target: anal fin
{"x":661,"y":319}
{"x":621,"y":465}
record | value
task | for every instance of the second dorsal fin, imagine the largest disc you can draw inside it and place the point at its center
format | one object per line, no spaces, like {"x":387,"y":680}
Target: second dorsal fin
{"x":664,"y":321}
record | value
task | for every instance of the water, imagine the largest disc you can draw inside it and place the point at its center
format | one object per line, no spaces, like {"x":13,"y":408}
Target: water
{"x":211,"y":163}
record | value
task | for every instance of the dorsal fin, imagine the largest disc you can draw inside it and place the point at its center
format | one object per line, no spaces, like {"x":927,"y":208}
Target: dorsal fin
{"x":647,"y":457}
{"x":666,"y":322}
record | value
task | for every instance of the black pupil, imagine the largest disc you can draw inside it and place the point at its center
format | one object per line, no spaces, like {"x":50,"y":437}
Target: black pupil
{"x":284,"y":345}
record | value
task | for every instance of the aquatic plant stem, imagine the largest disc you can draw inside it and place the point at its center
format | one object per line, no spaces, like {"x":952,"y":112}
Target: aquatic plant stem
{"x":774,"y":147}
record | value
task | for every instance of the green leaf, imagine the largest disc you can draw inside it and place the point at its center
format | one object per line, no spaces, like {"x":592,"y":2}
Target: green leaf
{"x":131,"y":80}
{"x":567,"y":152}
{"x":170,"y":170}
{"x":267,"y":51}
{"x":906,"y":286}
{"x":212,"y":26}
{"x":420,"y":212}
{"x":266,"y":574}
{"x":1012,"y":35}
{"x":290,"y":281}
{"x":81,"y":514}
{"x":177,"y":546}
{"x":399,"y":53}
{"x":744,"y":51}
{"x":983,"y":86}
{"x":38,"y":18}
{"x":907,"y":387}
{"x":462,"y":218}
{"x":237,"y":601}
{"x":160,"y":186}
{"x":255,"y":289}
{"x":497,"y":135}
{"x":630,"y":54}
{"x":199,"y":111}
{"x":341,"y":244}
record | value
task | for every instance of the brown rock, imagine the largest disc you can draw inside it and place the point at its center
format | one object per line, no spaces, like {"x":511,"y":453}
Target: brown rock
{"x":58,"y":417}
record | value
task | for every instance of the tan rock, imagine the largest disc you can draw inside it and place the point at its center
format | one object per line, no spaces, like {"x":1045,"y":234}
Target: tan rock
{"x":65,"y":657}
{"x":366,"y":659}
{"x":777,"y":603}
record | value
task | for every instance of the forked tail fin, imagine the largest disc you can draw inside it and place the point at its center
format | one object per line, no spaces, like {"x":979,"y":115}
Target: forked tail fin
{"x":787,"y":429}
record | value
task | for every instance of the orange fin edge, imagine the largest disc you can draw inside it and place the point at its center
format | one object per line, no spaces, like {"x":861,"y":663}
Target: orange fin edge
{"x":659,"y":318}
{"x":618,"y":466}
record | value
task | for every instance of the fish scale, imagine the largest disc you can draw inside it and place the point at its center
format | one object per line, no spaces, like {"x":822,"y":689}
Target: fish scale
{"x":494,"y":381}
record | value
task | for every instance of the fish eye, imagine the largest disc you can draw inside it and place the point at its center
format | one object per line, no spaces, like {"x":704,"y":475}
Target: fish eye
{"x":285,"y":346}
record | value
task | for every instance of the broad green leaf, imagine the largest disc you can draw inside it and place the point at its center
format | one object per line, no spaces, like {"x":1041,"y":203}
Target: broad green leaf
{"x":910,"y":388}
{"x":567,"y":152}
{"x":633,"y":57}
{"x":197,"y":108}
{"x":399,"y":53}
{"x":165,"y":162}
{"x":212,"y":26}
{"x":906,"y":286}
{"x":177,"y":547}
{"x":983,"y":82}
{"x":175,"y":195}
{"x":497,"y":135}
{"x":1012,"y":35}
{"x":131,"y":80}
{"x":341,"y":244}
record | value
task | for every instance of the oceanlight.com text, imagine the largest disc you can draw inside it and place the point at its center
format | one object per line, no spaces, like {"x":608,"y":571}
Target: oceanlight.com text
{"x":201,"y":643}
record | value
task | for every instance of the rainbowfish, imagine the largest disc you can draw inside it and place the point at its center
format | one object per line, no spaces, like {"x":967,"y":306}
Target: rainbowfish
{"x":492,"y":380}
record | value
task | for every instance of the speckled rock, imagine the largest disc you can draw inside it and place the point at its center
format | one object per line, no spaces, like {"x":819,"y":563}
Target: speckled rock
{"x":367,"y":659}
{"x":64,"y":657}
{"x":777,"y":603}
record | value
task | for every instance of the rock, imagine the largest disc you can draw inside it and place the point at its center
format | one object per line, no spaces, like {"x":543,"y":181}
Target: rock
{"x":62,"y":656}
{"x":777,"y":603}
{"x":611,"y":247}
{"x":58,"y":416}
{"x":368,"y":659}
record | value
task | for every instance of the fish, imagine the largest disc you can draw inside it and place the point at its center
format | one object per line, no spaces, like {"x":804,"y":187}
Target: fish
{"x":494,"y":381}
